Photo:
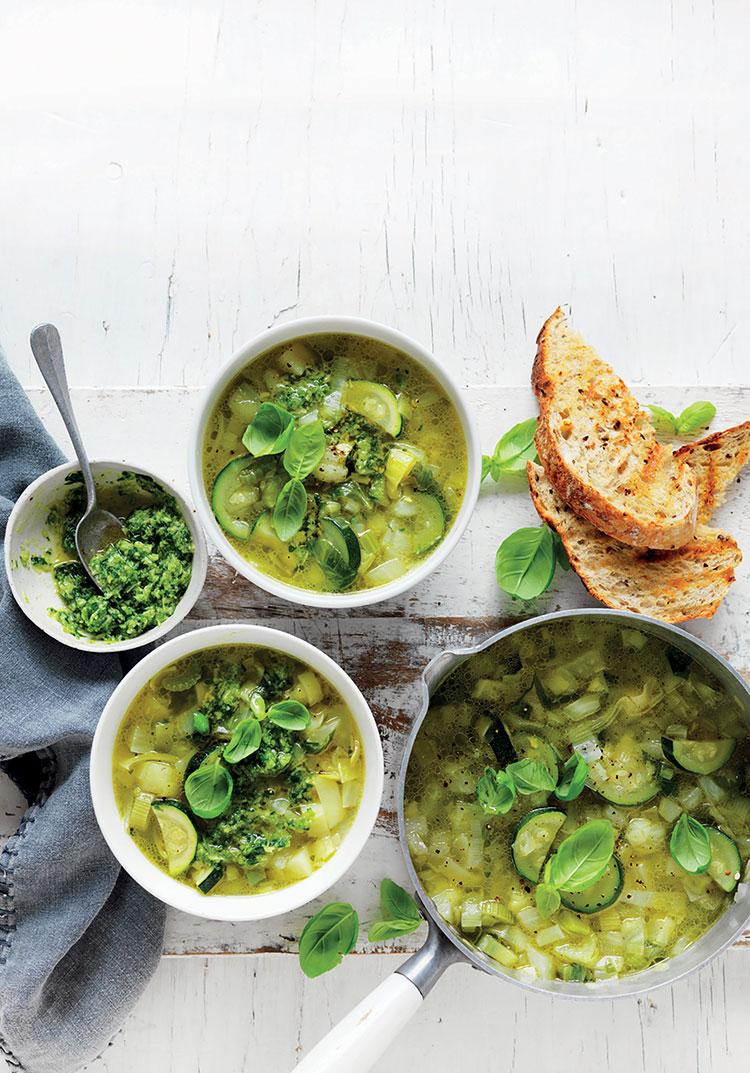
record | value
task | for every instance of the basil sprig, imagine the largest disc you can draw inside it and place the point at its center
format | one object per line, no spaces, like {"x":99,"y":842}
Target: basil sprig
{"x":245,"y":741}
{"x":694,"y":418}
{"x":690,"y":845}
{"x":547,"y":899}
{"x":327,"y":937}
{"x":401,"y":914}
{"x":209,"y":788}
{"x":582,"y":857}
{"x":269,"y":431}
{"x":512,"y":451}
{"x":289,"y":714}
{"x":497,"y":790}
{"x":572,"y":778}
{"x":305,"y":449}
{"x":290,"y":509}
{"x":525,"y":562}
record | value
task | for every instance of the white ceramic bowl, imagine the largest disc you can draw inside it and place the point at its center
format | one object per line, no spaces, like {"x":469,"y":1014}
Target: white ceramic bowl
{"x":34,"y":590}
{"x":316,"y":326}
{"x":232,"y":907}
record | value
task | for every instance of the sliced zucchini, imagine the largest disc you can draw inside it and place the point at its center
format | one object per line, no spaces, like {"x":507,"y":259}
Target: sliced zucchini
{"x":624,"y":775}
{"x":534,"y":837}
{"x":601,"y":895}
{"x":207,"y":878}
{"x":263,"y":533}
{"x":421,"y":516}
{"x":234,"y":494}
{"x":180,"y":679}
{"x":498,"y":739}
{"x":699,"y":757}
{"x":375,"y":402}
{"x":726,"y":863}
{"x":338,"y":553}
{"x":178,"y":834}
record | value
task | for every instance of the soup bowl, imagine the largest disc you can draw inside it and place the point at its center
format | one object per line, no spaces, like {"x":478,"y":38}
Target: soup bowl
{"x":364,"y":1034}
{"x":256,"y":349}
{"x":234,"y":907}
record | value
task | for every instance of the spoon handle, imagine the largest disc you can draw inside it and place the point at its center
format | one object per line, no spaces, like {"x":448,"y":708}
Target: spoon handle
{"x":47,"y":350}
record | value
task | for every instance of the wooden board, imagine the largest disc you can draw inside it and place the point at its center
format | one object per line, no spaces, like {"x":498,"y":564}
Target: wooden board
{"x":386,"y":647}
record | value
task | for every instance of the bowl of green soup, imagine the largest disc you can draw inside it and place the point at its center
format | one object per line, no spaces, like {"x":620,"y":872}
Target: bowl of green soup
{"x":148,"y":580}
{"x":333,"y":462}
{"x":236,"y":772}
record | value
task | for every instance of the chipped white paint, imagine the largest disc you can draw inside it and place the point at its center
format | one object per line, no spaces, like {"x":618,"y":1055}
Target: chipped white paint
{"x":184,"y":173}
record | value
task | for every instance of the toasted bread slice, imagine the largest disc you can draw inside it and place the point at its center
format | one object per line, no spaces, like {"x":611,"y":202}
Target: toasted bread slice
{"x":687,"y":583}
{"x":716,"y":461}
{"x":599,"y":449}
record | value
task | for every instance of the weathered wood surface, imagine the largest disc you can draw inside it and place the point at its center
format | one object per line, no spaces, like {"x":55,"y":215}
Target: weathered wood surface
{"x":385,"y":647}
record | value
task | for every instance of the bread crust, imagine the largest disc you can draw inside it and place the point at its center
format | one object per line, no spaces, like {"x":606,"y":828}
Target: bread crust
{"x":675,"y":586}
{"x":654,"y":503}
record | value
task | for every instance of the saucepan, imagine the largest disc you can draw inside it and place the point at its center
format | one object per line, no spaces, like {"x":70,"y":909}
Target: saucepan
{"x":356,"y":1043}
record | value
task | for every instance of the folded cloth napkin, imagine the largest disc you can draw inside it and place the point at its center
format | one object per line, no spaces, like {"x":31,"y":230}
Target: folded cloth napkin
{"x":78,"y":938}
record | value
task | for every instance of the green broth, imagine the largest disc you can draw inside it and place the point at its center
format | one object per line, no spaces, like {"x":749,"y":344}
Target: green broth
{"x":615,"y":694}
{"x":388,"y":487}
{"x":293,"y":798}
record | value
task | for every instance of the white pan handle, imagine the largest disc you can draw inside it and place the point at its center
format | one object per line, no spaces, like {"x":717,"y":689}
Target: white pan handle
{"x":356,"y":1043}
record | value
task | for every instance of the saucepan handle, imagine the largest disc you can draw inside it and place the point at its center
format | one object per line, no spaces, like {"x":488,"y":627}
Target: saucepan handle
{"x":355,"y":1044}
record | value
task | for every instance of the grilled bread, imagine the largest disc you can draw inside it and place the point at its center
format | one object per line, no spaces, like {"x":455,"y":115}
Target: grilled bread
{"x":716,"y":461}
{"x":600,"y":451}
{"x":686,"y":583}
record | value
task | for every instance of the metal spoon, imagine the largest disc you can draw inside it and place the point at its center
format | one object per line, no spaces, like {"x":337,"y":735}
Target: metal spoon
{"x":97,"y":528}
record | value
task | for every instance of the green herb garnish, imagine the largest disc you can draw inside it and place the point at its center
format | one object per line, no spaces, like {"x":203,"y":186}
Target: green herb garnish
{"x":694,"y":418}
{"x":496,"y":792}
{"x":327,"y":937}
{"x":209,"y":789}
{"x":401,"y":914}
{"x":290,"y":509}
{"x":690,"y":845}
{"x":305,"y":449}
{"x":512,"y":451}
{"x":525,"y":562}
{"x":582,"y":857}
{"x":269,"y":431}
{"x":289,"y":714}
{"x":245,"y":741}
{"x":572,"y":778}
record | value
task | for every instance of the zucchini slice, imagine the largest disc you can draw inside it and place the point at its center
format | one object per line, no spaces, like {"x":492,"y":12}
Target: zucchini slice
{"x":178,"y":834}
{"x":338,"y":552}
{"x":231,"y":498}
{"x":699,"y":757}
{"x":726,"y":863}
{"x":421,"y":516}
{"x":263,"y":533}
{"x":601,"y":895}
{"x":624,"y":775}
{"x":498,"y":739}
{"x":375,"y":402}
{"x":534,"y":837}
{"x":208,"y":877}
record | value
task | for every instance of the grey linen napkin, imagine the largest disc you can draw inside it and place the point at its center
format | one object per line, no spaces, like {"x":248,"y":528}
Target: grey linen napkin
{"x":78,"y":938}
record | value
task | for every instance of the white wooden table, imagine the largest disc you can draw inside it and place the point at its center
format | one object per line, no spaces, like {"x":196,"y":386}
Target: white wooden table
{"x":180,"y":174}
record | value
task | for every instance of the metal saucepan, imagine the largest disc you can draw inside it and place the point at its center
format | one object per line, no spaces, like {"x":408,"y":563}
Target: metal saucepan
{"x":356,"y":1043}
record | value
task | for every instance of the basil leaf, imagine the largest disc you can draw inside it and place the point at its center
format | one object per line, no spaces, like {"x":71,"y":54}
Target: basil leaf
{"x":573,"y":778}
{"x":305,"y":449}
{"x":245,"y":740}
{"x":531,"y":776}
{"x":514,"y":449}
{"x":397,"y":903}
{"x":547,"y":899}
{"x":583,"y":856}
{"x":289,"y":714}
{"x":326,"y":937}
{"x":290,"y":509}
{"x":694,"y":418}
{"x":496,"y":792}
{"x":525,"y":562}
{"x":269,"y":431}
{"x":690,"y":845}
{"x":486,"y":464}
{"x":390,"y":929}
{"x":663,"y":421}
{"x":209,"y":789}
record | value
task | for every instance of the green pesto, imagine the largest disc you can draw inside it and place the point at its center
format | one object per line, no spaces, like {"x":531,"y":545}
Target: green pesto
{"x":142,"y":577}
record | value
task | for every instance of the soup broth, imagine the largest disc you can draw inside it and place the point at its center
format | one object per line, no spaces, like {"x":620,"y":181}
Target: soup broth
{"x":387,"y":481}
{"x":662,"y":741}
{"x":238,"y":770}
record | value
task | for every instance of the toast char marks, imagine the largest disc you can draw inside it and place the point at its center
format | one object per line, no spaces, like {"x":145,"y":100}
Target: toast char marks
{"x":599,"y":449}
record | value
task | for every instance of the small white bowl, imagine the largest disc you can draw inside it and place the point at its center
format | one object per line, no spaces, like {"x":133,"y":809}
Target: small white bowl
{"x":236,"y":907}
{"x":34,"y":590}
{"x":347,"y":326}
